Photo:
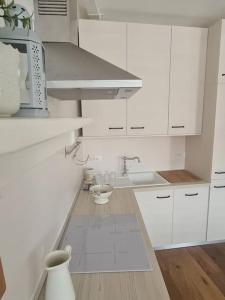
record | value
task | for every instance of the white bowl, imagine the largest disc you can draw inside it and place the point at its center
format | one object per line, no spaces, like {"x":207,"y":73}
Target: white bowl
{"x":101,"y":193}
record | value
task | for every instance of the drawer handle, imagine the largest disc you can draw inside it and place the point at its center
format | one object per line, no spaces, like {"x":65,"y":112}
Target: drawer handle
{"x":181,"y":126}
{"x":222,"y":172}
{"x":138,"y":127}
{"x":191,"y":195}
{"x":223,"y":74}
{"x":116,"y":128}
{"x":219,"y":186}
{"x":163,"y":197}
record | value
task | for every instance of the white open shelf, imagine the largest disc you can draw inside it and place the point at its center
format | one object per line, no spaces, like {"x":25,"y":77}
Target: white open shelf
{"x":19,"y":133}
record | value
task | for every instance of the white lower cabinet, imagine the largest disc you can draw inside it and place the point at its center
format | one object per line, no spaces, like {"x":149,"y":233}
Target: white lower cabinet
{"x":216,"y":220}
{"x":157,"y":208}
{"x":190,"y":214}
{"x":177,"y":215}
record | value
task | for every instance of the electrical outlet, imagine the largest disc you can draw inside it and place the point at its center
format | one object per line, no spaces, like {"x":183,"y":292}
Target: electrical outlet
{"x":95,"y":158}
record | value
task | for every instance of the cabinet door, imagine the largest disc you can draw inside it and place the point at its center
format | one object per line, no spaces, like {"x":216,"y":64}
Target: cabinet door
{"x":188,"y":60}
{"x":157,"y":208}
{"x":190,"y":214}
{"x":221,"y":73}
{"x":218,"y":166}
{"x":108,"y":41}
{"x":148,"y":56}
{"x":216,"y":219}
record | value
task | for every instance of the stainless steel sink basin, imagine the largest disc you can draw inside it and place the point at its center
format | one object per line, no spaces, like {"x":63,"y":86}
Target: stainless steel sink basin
{"x":135,"y":180}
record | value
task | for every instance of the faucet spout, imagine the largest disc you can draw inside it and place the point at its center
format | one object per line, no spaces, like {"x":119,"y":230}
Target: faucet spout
{"x":137,"y":158}
{"x":125,"y":158}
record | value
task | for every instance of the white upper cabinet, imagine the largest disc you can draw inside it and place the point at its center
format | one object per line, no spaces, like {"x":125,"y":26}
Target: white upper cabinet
{"x":170,"y":61}
{"x":187,"y":76}
{"x":108,"y":41}
{"x":109,"y":117}
{"x":104,"y":39}
{"x":148,"y":56}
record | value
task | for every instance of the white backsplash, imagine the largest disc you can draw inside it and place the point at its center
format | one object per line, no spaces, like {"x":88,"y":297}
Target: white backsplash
{"x":156,"y":153}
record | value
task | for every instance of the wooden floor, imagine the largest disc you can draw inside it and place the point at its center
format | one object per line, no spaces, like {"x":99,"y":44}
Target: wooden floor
{"x":194,"y":273}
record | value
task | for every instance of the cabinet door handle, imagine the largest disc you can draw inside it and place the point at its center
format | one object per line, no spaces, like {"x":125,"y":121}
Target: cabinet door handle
{"x":138,"y":127}
{"x":163,"y":197}
{"x":219,"y":186}
{"x":222,"y":172}
{"x":178,"y":126}
{"x":115,"y":128}
{"x":223,"y":74}
{"x":191,"y":195}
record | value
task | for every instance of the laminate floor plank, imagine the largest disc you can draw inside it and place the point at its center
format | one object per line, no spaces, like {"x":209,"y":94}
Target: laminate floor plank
{"x":217,"y":254}
{"x":194,"y":273}
{"x":209,"y":265}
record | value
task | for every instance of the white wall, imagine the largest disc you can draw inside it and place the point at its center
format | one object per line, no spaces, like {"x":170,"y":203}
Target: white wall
{"x":156,"y":153}
{"x":33,"y":208}
{"x":38,"y":186}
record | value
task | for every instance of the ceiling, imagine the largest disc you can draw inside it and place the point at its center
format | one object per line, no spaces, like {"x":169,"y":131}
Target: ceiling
{"x":178,"y":12}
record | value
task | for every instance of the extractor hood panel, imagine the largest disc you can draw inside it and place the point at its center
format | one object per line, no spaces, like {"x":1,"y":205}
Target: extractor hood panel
{"x":75,"y":74}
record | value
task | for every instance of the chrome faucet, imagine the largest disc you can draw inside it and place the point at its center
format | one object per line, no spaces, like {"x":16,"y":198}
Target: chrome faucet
{"x":125,"y":158}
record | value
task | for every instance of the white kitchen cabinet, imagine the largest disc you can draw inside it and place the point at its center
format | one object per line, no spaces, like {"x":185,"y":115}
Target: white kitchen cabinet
{"x":216,"y":219}
{"x":187,"y":76}
{"x":108,"y":41}
{"x":221,"y":71}
{"x":170,"y":61}
{"x":148,"y":56}
{"x":190,"y":214}
{"x":156,"y":207}
{"x":218,"y":163}
{"x":109,"y":117}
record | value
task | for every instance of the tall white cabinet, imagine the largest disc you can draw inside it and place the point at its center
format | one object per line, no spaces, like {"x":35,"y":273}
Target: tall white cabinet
{"x":187,"y":78}
{"x":171,"y":62}
{"x":205,"y":155}
{"x":218,"y":162}
{"x":108,"y":41}
{"x":148,"y":56}
{"x":216,"y":222}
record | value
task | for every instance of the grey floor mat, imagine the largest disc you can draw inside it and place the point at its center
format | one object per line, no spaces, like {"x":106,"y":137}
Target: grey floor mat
{"x":106,"y":244}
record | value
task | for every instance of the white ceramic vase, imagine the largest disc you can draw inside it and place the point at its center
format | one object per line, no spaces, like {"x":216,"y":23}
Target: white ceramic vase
{"x":9,"y":80}
{"x":59,"y":283}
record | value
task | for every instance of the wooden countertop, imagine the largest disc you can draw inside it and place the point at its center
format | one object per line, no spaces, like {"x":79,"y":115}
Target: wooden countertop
{"x":179,"y":176}
{"x":119,"y":286}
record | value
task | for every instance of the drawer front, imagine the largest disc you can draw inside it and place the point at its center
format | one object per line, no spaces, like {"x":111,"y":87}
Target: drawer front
{"x":190,"y":214}
{"x":216,"y":219}
{"x":157,"y":208}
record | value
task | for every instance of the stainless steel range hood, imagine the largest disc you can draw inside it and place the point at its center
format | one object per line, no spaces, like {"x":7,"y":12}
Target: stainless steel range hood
{"x":73,"y":73}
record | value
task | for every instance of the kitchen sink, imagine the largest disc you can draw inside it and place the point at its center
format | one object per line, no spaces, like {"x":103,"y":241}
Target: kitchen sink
{"x":146,"y":178}
{"x":134,"y":179}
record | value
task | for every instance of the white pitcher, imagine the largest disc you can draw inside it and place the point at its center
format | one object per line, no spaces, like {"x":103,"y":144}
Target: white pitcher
{"x":59,"y":283}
